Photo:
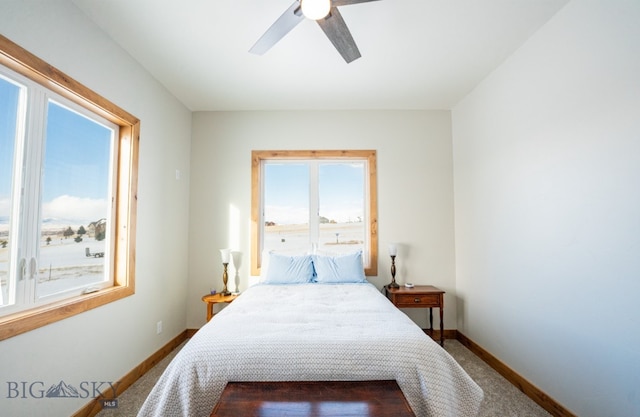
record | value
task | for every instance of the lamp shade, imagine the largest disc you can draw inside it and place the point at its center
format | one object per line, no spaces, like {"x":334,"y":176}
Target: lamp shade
{"x":393,"y":249}
{"x":225,"y":254}
{"x":315,"y":9}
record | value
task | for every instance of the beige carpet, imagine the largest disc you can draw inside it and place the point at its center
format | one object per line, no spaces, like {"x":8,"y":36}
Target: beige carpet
{"x":501,"y":399}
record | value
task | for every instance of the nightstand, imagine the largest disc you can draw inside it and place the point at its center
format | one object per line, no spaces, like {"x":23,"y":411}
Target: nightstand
{"x":420,"y":296}
{"x":212,"y":299}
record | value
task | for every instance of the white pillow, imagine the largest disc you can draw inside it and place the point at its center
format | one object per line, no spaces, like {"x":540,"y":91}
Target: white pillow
{"x":288,"y":269}
{"x":339,"y":269}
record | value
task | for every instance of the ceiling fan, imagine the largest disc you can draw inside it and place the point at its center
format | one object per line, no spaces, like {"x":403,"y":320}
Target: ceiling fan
{"x":326,"y":13}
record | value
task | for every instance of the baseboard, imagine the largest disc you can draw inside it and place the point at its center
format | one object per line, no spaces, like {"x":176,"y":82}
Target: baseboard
{"x":95,"y":405}
{"x":530,"y":390}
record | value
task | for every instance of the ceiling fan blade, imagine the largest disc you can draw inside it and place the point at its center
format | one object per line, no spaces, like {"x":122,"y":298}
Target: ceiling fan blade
{"x":336,"y":30}
{"x":285,"y":23}
{"x":336,"y":3}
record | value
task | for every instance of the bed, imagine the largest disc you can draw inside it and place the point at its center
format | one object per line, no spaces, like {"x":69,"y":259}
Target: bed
{"x":313,"y":331}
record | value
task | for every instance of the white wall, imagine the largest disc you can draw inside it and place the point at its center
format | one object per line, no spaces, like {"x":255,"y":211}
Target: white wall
{"x":415,"y":197}
{"x":547,"y":209}
{"x":105,"y":343}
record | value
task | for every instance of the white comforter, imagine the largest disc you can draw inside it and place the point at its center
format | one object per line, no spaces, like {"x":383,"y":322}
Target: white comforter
{"x":314,"y":332}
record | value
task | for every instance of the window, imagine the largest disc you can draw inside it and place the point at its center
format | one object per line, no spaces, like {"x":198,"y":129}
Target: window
{"x":68,"y":171}
{"x":324,"y":200}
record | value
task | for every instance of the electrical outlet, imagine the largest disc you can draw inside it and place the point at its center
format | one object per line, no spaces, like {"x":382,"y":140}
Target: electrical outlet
{"x":159,"y":327}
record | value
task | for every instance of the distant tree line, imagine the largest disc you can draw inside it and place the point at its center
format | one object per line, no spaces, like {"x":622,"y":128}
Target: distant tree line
{"x":99,"y":226}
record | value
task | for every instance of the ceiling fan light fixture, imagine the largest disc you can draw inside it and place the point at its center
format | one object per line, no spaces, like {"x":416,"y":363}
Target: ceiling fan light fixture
{"x":315,"y":9}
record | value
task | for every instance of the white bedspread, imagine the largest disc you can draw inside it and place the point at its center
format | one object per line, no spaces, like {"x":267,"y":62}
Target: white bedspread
{"x":313,"y":332}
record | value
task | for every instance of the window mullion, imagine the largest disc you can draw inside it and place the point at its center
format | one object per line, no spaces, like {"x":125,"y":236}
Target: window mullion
{"x":30,"y":224}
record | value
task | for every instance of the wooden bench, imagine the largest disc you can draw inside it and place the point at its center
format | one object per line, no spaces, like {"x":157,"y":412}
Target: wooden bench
{"x":313,"y":399}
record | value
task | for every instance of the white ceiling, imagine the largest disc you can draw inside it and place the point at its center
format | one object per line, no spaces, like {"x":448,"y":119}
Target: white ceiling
{"x":416,"y":54}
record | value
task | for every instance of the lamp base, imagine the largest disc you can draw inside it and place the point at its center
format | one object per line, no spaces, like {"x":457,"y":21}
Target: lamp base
{"x":393,"y":273}
{"x":225,"y":277}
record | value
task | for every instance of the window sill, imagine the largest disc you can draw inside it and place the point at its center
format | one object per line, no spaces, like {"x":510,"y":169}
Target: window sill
{"x":24,"y":321}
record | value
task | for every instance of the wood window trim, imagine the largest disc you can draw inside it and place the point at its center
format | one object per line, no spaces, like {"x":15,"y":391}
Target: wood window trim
{"x":32,"y":67}
{"x":256,"y":161}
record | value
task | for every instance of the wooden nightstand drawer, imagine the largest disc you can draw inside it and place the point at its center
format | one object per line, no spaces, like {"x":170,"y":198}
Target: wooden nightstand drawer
{"x":417,"y":300}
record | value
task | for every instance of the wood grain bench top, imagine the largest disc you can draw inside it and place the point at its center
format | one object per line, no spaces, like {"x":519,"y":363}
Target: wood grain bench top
{"x":313,"y":399}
